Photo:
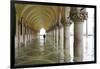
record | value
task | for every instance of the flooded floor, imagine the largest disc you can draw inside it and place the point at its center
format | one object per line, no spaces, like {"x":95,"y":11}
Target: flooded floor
{"x":38,"y":51}
{"x":45,"y":51}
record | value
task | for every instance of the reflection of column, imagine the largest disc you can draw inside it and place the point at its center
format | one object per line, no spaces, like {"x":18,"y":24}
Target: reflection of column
{"x":78,"y":15}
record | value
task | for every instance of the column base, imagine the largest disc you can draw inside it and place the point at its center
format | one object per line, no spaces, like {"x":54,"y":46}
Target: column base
{"x":78,"y":59}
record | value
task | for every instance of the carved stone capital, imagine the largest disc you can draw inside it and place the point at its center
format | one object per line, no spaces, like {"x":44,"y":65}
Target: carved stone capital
{"x":78,"y":14}
{"x":58,"y":25}
{"x":66,"y":22}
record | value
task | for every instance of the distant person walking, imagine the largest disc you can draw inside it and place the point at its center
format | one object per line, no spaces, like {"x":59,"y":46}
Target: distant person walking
{"x":44,"y":36}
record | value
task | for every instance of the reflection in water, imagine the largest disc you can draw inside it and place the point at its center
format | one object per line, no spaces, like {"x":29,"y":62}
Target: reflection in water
{"x":42,"y":42}
{"x":89,"y":49}
{"x":42,"y":35}
{"x":71,"y":48}
{"x":43,"y":51}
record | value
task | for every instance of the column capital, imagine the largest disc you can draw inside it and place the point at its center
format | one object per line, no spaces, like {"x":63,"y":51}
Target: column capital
{"x":66,"y":22}
{"x":59,"y":24}
{"x":78,"y":14}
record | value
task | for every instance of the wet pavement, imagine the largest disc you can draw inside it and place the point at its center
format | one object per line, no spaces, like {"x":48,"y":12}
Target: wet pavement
{"x":46,"y":51}
{"x":38,"y":51}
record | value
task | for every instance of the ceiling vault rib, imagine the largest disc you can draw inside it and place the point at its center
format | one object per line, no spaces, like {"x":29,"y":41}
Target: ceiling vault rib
{"x":37,"y":16}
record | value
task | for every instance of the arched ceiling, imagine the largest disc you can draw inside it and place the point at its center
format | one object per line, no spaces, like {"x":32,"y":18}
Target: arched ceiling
{"x":37,"y":16}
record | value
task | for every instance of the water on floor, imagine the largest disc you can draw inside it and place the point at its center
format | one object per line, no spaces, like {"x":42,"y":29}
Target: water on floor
{"x":45,"y":51}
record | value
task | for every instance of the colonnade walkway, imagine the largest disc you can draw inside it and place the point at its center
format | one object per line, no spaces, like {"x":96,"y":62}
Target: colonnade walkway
{"x":39,"y":51}
{"x":61,"y":44}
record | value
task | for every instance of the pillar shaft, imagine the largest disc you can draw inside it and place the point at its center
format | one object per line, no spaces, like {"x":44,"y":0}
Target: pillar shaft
{"x":26,"y":35}
{"x":56,"y":36}
{"x":67,"y":43}
{"x":60,"y":45}
{"x":78,"y":41}
{"x":78,"y":15}
{"x":66,"y":25}
{"x":16,"y":39}
{"x":23,"y":33}
{"x":19,"y":39}
{"x":19,"y":33}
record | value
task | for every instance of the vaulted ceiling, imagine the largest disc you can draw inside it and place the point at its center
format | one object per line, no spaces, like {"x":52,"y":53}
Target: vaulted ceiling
{"x":37,"y":16}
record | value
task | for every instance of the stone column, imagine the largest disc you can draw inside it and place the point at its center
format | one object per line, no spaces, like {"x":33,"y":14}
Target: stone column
{"x":19,"y":34}
{"x":23,"y":34}
{"x":67,"y":41}
{"x":60,"y":44}
{"x":56,"y":36}
{"x":30,"y":36}
{"x":16,"y":38}
{"x":66,"y":25}
{"x":56,"y":40}
{"x":78,"y":15}
{"x":26,"y":36}
{"x":19,"y":39}
{"x":60,"y":37}
{"x":53,"y":35}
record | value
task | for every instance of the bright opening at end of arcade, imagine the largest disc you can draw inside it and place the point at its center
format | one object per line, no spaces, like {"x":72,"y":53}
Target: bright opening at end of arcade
{"x":42,"y":33}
